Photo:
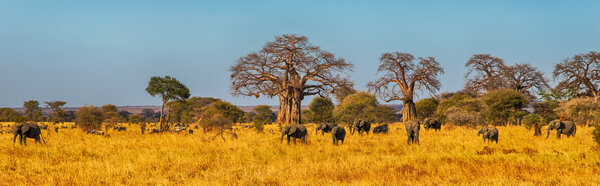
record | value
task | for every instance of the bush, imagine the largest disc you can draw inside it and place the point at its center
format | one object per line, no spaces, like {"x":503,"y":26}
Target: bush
{"x":321,"y":110}
{"x":596,"y":134}
{"x":426,"y":107}
{"x":534,"y":121}
{"x":459,"y":116}
{"x":580,"y":110}
{"x":89,"y":118}
{"x":460,"y":101}
{"x":503,"y":105}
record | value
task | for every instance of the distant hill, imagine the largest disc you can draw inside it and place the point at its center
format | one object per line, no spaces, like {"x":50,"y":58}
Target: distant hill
{"x":138,"y":109}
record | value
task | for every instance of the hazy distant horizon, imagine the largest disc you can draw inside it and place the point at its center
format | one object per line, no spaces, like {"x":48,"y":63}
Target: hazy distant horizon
{"x":96,"y":53}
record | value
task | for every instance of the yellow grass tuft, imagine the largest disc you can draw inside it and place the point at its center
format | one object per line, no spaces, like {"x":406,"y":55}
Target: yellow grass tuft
{"x":452,"y":156}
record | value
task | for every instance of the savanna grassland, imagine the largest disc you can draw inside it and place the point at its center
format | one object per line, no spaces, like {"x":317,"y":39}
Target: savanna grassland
{"x":454,"y":155}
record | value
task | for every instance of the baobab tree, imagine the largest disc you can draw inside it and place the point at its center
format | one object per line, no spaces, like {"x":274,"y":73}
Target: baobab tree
{"x":290,"y":68}
{"x":581,"y":72}
{"x":522,"y":77}
{"x":402,"y":77}
{"x":485,"y":73}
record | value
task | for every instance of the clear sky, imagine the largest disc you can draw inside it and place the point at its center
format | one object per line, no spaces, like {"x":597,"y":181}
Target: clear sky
{"x":101,"y":52}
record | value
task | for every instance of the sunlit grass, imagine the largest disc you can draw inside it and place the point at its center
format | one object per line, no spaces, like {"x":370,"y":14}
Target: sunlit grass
{"x":454,"y":155}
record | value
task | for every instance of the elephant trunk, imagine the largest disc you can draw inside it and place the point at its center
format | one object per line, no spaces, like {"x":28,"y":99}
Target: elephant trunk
{"x":282,"y":134}
{"x":548,"y":133}
{"x":480,"y":132}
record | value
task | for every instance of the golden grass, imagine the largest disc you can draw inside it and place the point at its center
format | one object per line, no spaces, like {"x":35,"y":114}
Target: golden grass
{"x":452,"y":156}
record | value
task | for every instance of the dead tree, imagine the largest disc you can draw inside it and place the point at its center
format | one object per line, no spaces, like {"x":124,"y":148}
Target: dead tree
{"x":485,"y":73}
{"x":402,"y":77}
{"x":581,"y":72}
{"x":290,"y":68}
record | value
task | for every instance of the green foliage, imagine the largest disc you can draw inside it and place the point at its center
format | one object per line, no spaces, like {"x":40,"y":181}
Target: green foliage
{"x":342,"y":92}
{"x":188,"y":111}
{"x":32,"y":110}
{"x":88,"y":118}
{"x":382,"y":113}
{"x":321,"y":110}
{"x":501,"y":105}
{"x":426,"y":108}
{"x":546,"y":110}
{"x":167,"y":88}
{"x":9,"y":115}
{"x":220,"y":114}
{"x":531,"y":120}
{"x":136,"y":118}
{"x":459,"y":116}
{"x":558,"y":95}
{"x":465,"y":105}
{"x":262,"y":117}
{"x":596,"y":134}
{"x":580,"y":110}
{"x":354,"y":107}
{"x":111,"y":114}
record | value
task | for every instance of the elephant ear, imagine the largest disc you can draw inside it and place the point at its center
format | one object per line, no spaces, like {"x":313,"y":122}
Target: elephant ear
{"x":24,"y":128}
{"x":293,"y":129}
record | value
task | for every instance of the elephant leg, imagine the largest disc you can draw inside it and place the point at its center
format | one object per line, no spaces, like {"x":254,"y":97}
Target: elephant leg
{"x":294,"y":140}
{"x":24,"y":140}
{"x":288,"y":139}
{"x":558,"y":132}
{"x":417,"y":137}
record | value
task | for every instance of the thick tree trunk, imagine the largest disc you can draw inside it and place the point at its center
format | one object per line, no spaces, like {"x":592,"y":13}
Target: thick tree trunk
{"x":282,"y":116}
{"x":409,"y":111}
{"x":290,"y":109}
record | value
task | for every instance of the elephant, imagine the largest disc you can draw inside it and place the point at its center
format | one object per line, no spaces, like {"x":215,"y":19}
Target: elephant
{"x":412,"y":131}
{"x":383,"y":129}
{"x":27,"y":130}
{"x":432,"y":123}
{"x":562,"y":127}
{"x":490,"y":133}
{"x":122,"y":129}
{"x":190,"y":131}
{"x":324,"y":128}
{"x":115,"y":128}
{"x":361,"y":126}
{"x":44,"y":127}
{"x":338,"y":133}
{"x":294,"y":131}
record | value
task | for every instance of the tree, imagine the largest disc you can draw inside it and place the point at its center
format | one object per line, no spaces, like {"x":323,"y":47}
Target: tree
{"x":342,"y":92}
{"x":355,"y":107}
{"x":9,"y":115}
{"x":522,"y":77}
{"x":168,"y":89}
{"x":58,"y":114}
{"x":501,"y":105}
{"x":110,"y":114}
{"x":382,"y":113}
{"x":88,"y":118}
{"x":461,"y":109}
{"x":534,"y":121}
{"x":148,"y":115}
{"x":290,"y":68}
{"x":124,"y":115}
{"x":581,"y":72}
{"x":32,"y":110}
{"x":583,"y":111}
{"x":484,"y":74}
{"x":321,"y":110}
{"x":426,"y":107}
{"x":220,"y":114}
{"x":402,"y":77}
{"x":262,"y":116}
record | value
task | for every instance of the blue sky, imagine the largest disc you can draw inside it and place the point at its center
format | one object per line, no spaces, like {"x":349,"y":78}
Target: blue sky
{"x":103,"y":52}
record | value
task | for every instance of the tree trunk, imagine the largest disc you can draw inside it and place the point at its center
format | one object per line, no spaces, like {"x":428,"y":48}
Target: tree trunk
{"x":282,"y":116}
{"x":537,"y":130}
{"x":160,"y":121}
{"x":409,"y":110}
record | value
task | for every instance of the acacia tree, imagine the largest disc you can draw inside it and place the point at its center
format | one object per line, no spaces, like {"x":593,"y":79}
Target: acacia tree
{"x":402,"y":77}
{"x":168,"y":89}
{"x":484,"y":74}
{"x":581,"y":72}
{"x":32,"y":110}
{"x":58,"y":114}
{"x":521,"y":77}
{"x":290,"y":68}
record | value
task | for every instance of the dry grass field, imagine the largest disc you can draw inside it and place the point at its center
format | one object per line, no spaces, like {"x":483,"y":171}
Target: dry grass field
{"x":452,"y":156}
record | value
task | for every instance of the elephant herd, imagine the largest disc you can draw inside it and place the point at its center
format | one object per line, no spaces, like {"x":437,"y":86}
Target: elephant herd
{"x":338,"y":133}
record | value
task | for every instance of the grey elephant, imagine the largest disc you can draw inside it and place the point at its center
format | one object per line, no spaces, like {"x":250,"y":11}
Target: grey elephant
{"x":27,"y":130}
{"x":562,"y":127}
{"x":489,"y":133}
{"x":412,"y":131}
{"x":324,"y":128}
{"x":294,"y":131}
{"x":338,"y":133}
{"x":381,"y":129}
{"x":361,"y":126}
{"x":432,"y":123}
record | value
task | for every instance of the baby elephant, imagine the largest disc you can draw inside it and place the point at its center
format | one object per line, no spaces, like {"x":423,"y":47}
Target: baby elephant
{"x":432,"y":123}
{"x":382,"y":129}
{"x":490,"y":133}
{"x":295,"y":132}
{"x":338,"y":134}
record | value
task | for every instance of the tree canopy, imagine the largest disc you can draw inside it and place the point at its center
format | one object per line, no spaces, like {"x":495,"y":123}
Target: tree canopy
{"x":168,"y":88}
{"x":581,"y":72}
{"x":290,"y":67}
